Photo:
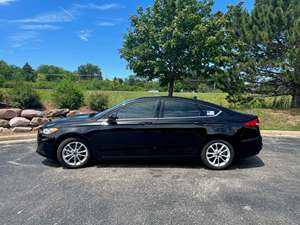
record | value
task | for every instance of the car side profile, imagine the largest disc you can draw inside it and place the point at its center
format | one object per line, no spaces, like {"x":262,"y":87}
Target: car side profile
{"x":155,"y":127}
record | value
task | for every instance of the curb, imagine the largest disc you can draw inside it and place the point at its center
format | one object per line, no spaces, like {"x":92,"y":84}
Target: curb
{"x":18,"y":141}
{"x":19,"y":137}
{"x":279,"y":133}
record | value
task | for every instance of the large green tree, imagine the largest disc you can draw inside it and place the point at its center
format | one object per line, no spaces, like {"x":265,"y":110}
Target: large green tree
{"x":176,"y":39}
{"x":89,"y":71}
{"x":270,"y":50}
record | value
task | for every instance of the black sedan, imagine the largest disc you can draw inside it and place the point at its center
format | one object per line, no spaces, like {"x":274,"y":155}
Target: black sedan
{"x":153,"y":127}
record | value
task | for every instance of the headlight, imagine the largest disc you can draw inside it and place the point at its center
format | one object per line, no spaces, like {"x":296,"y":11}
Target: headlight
{"x":48,"y":131}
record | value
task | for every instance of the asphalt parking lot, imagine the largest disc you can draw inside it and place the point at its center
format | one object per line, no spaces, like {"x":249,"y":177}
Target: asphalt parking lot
{"x":257,"y":190}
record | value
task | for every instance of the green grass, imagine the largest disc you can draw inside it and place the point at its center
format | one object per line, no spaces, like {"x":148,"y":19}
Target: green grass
{"x":118,"y":96}
{"x":273,"y":113}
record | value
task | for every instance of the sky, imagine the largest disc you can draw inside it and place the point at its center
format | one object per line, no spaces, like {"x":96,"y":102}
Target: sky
{"x":68,"y":33}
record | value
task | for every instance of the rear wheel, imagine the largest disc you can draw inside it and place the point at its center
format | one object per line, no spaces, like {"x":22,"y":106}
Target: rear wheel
{"x":73,"y":153}
{"x":217,"y":154}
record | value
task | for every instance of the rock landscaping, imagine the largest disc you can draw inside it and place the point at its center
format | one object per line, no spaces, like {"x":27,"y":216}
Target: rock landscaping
{"x":14,"y":120}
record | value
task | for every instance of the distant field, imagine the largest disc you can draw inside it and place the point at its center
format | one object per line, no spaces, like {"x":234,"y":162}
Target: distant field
{"x":271,"y":119}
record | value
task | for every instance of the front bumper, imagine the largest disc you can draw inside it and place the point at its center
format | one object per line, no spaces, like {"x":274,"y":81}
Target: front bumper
{"x":46,"y":146}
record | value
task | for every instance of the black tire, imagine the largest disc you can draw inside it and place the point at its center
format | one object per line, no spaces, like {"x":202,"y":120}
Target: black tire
{"x":229,"y":158}
{"x":65,"y":163}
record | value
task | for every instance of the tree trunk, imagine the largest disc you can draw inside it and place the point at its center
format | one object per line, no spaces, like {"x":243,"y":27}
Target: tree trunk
{"x":296,"y":98}
{"x":171,"y":87}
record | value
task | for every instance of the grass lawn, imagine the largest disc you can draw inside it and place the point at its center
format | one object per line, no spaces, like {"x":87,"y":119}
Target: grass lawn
{"x":270,"y":119}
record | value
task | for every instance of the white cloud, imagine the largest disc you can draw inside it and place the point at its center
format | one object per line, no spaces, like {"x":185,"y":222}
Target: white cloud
{"x":105,"y":24}
{"x":109,"y":22}
{"x":105,"y":6}
{"x":85,"y":34}
{"x":23,"y":38}
{"x":39,"y":27}
{"x":68,"y":12}
{"x":63,"y":15}
{"x":51,"y":17}
{"x":6,"y":2}
{"x":102,"y":7}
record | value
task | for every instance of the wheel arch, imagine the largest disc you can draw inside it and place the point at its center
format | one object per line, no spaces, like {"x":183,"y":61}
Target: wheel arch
{"x":230,"y":139}
{"x":70,"y":135}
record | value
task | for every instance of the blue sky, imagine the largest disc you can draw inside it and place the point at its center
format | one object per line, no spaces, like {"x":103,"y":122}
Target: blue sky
{"x":69,"y":33}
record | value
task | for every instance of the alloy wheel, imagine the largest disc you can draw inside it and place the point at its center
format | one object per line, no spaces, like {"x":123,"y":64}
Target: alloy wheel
{"x":218,"y":154}
{"x":75,"y":154}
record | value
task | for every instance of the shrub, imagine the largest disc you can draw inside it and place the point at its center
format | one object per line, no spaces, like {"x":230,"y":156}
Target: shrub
{"x":282,"y":102}
{"x":2,"y":80}
{"x":67,"y":95}
{"x":44,"y":84}
{"x":97,"y":101}
{"x":23,"y":96}
{"x":8,"y":84}
{"x":3,"y":96}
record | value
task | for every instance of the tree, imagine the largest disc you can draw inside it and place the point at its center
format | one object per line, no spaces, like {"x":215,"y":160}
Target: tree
{"x":118,"y":79}
{"x":52,"y":72}
{"x":27,"y":68}
{"x":28,"y":72}
{"x":270,"y":52}
{"x":89,"y":71}
{"x":177,"y":39}
{"x":6,"y":70}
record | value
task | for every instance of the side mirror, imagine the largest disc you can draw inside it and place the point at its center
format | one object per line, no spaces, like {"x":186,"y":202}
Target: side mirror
{"x":112,"y":118}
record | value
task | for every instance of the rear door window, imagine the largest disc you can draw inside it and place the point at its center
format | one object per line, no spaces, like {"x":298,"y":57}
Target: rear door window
{"x":179,"y":108}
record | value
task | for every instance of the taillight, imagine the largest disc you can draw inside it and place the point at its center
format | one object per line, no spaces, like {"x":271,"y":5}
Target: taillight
{"x":252,"y":123}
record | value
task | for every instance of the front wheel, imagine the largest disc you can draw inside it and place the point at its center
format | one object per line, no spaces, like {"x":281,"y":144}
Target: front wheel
{"x":73,"y":153}
{"x":217,"y":154}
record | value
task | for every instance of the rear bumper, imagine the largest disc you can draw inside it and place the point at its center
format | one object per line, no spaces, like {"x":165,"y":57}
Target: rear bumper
{"x":249,"y":147}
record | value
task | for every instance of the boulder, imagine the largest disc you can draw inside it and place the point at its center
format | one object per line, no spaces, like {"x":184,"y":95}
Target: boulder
{"x":4,"y":123}
{"x":36,"y":128}
{"x":9,"y":113}
{"x":73,"y":113}
{"x":19,"y":122}
{"x":57,"y":112}
{"x":4,"y":130}
{"x":30,"y":113}
{"x":21,"y":129}
{"x":37,"y":121}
